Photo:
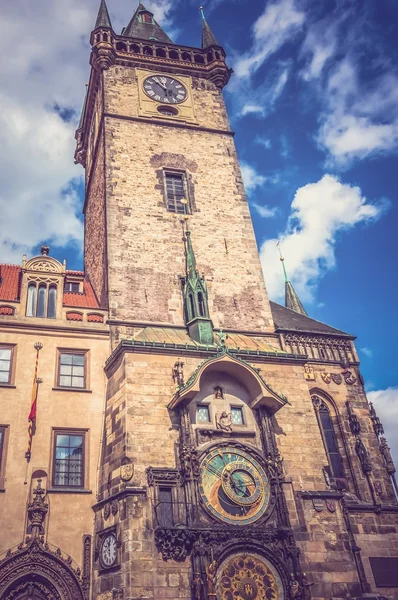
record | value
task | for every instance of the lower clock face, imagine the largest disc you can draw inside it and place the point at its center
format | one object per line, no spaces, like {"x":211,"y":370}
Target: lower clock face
{"x":108,"y":552}
{"x":234,"y":486}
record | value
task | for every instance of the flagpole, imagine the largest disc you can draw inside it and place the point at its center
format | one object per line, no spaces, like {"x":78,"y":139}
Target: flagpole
{"x":33,"y":409}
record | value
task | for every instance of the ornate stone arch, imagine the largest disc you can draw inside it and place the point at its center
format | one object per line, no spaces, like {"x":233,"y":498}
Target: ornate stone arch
{"x":48,"y":574}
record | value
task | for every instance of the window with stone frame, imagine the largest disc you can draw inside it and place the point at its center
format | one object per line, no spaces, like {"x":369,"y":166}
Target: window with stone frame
{"x":330,"y":439}
{"x":72,"y":369}
{"x":203,"y":413}
{"x":68,"y":459}
{"x":176,"y":196}
{"x":237,"y":415}
{"x":6,"y":364}
{"x":41,"y":300}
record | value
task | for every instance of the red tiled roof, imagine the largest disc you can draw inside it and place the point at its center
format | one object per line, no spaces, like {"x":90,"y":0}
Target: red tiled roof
{"x":85,"y":300}
{"x":9,"y":287}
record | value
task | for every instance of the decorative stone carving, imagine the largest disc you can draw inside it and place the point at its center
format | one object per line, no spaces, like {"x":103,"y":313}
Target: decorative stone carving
{"x":349,"y":378}
{"x":363,"y":456}
{"x":107,"y":511}
{"x":197,"y":587}
{"x":336,"y":378}
{"x":309,"y":374}
{"x":224,"y":421}
{"x":189,"y":461}
{"x":385,"y":451}
{"x":114,"y":507}
{"x":86,"y":577}
{"x":326,"y":377}
{"x":353,"y":420}
{"x":178,"y":373}
{"x":161,"y":476}
{"x":37,"y":510}
{"x":377,"y":425}
{"x":126,"y":469}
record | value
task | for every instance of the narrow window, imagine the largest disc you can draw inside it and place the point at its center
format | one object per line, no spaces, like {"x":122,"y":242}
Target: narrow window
{"x":72,"y":286}
{"x":237,"y":415}
{"x":68,"y":460}
{"x":175,"y":193}
{"x":41,"y":301}
{"x":52,"y":302}
{"x":202,"y":305}
{"x":2,"y":433}
{"x":165,"y":507}
{"x":191,"y":306}
{"x":72,"y":370}
{"x":203,"y":413}
{"x":31,"y":303}
{"x":329,"y":438}
{"x":5,"y":364}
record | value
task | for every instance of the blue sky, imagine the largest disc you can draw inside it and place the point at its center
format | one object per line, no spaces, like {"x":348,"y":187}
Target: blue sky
{"x":314,"y":103}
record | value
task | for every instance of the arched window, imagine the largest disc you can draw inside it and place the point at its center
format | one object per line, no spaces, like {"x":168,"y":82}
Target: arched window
{"x":329,"y":438}
{"x":42,"y":301}
{"x":202,"y":305}
{"x":31,"y":303}
{"x":52,"y":302}
{"x":191,"y":306}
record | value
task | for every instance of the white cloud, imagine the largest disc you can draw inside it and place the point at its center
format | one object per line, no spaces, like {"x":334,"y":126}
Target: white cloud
{"x":250,"y":109}
{"x":367,"y":352}
{"x":385,"y":403}
{"x":358,"y":120}
{"x":319,"y":212}
{"x":265,"y":211}
{"x":251,"y":179}
{"x":265,"y":142}
{"x":279,"y":22}
{"x":48,"y":66}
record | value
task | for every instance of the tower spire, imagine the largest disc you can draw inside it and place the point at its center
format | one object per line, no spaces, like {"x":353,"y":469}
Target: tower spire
{"x":196,"y":304}
{"x":103,"y":19}
{"x":143,"y":26}
{"x":292,"y":300}
{"x":208,"y":37}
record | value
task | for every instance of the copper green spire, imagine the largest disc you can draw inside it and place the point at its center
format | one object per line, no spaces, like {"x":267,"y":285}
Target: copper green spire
{"x":196,"y":305}
{"x":208,"y":38}
{"x":103,"y":19}
{"x":292,"y":300}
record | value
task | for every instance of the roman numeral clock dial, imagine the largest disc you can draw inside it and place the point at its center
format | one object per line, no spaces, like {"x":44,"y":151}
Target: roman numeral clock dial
{"x":167,"y":90}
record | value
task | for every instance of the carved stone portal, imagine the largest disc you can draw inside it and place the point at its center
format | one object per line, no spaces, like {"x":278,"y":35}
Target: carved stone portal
{"x":36,"y":568}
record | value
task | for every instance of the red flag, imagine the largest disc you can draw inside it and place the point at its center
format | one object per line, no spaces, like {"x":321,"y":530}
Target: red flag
{"x":33,"y":406}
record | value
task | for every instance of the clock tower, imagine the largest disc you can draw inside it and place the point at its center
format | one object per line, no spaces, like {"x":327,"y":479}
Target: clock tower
{"x":202,"y":491}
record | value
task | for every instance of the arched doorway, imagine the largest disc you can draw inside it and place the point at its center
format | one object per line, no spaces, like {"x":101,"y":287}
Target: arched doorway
{"x":35,"y":572}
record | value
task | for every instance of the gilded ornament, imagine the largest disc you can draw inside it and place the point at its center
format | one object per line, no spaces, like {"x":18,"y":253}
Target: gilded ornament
{"x":309,"y":374}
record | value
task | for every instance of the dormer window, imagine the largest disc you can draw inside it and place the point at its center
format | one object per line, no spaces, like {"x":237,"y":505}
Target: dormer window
{"x":146,"y":17}
{"x":72,"y":286}
{"x":41,"y":301}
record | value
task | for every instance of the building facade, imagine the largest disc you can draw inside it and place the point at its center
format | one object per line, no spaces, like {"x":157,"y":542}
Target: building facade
{"x":166,"y":431}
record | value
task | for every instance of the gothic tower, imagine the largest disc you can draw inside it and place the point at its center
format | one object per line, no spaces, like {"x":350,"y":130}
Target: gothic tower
{"x":233,"y":462}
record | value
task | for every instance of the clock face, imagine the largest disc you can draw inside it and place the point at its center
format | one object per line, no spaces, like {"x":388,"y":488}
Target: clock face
{"x":234,"y":486}
{"x":165,"y":89}
{"x":108,"y":552}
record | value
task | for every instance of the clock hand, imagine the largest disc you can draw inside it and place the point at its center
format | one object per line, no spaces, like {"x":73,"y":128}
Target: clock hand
{"x":214,"y":470}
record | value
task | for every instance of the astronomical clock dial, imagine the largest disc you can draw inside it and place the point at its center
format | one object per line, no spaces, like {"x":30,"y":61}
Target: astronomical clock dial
{"x":167,"y":90}
{"x":108,"y":553}
{"x":234,"y":486}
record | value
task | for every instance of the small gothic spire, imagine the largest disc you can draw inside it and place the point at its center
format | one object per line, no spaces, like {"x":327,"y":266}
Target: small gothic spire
{"x":143,"y":26}
{"x":292,"y":300}
{"x":208,"y":38}
{"x":103,"y":19}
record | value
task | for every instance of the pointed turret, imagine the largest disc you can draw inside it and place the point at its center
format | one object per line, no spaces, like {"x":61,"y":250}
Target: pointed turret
{"x":103,"y":19}
{"x":208,"y":38}
{"x":196,"y":306}
{"x":144,"y":27}
{"x":292,"y":300}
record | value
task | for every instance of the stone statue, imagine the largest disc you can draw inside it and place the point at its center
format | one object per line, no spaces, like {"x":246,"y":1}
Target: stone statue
{"x":363,"y":455}
{"x":294,"y":586}
{"x":224,"y":421}
{"x":197,"y":586}
{"x":211,"y":580}
{"x":385,"y":450}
